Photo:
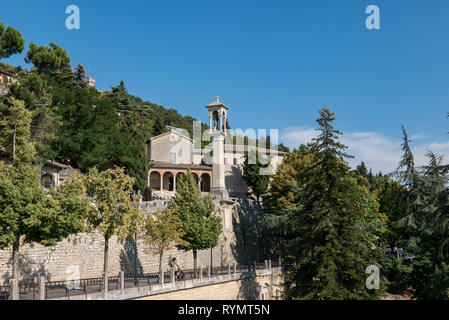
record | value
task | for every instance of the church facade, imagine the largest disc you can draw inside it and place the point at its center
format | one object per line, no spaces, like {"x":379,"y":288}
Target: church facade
{"x":218,"y":171}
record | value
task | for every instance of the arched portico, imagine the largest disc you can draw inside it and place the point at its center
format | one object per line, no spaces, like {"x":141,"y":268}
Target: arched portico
{"x":168,"y":183}
{"x":163,"y":182}
{"x":205,"y":182}
{"x":155,"y":181}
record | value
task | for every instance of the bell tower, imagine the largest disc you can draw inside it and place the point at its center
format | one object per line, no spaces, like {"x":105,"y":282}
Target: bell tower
{"x":218,"y":115}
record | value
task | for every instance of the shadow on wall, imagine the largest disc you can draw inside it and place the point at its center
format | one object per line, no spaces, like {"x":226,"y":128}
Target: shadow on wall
{"x":29,"y":270}
{"x":235,"y":184}
{"x":250,"y":289}
{"x":249,"y":230}
{"x":129,"y":259}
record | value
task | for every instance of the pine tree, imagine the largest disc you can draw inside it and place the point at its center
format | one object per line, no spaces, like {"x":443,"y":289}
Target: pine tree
{"x":11,"y":42}
{"x":80,"y":74}
{"x":425,"y":229}
{"x":333,"y":225}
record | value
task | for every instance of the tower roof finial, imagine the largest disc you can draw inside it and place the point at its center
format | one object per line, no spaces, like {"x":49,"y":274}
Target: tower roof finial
{"x":218,"y":98}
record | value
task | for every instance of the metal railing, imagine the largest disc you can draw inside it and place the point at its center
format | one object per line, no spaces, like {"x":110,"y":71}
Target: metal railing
{"x":4,"y":292}
{"x":67,"y":289}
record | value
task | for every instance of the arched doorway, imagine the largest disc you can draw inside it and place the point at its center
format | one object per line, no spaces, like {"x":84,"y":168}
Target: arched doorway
{"x":205,"y":182}
{"x":155,"y":181}
{"x":197,"y":178}
{"x":178,"y":177}
{"x":168,"y":183}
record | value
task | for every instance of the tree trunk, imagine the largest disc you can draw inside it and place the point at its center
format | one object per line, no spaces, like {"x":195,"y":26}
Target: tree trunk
{"x":161,"y":254}
{"x":14,"y":144}
{"x":136,"y":253}
{"x":195,"y":263}
{"x":211,"y":259}
{"x":15,"y":258}
{"x":106,"y":255}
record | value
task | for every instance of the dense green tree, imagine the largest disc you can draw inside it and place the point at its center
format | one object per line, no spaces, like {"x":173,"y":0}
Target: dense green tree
{"x":197,"y":214}
{"x":425,"y":229}
{"x":29,"y":213}
{"x":332,"y":227}
{"x":50,"y":59}
{"x":80,"y":74}
{"x":162,"y":231}
{"x":36,"y":93}
{"x":11,"y":42}
{"x":116,"y":209}
{"x":255,"y":176}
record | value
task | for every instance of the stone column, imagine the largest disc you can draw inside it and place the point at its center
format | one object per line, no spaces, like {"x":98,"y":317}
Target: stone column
{"x":121,"y":276}
{"x":162,"y":180}
{"x":13,"y":289}
{"x":174,"y":183}
{"x":210,"y":121}
{"x":172,"y":276}
{"x":229,"y":269}
{"x":201,"y":272}
{"x":266,"y":264}
{"x":269,"y":264}
{"x":235,"y":268}
{"x":280,"y":262}
{"x":41,"y":288}
{"x":208,"y":271}
{"x":218,"y":168}
{"x":255,"y":266}
{"x":220,"y":125}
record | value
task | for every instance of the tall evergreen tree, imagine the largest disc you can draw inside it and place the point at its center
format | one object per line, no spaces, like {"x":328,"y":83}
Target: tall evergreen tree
{"x":332,"y":226}
{"x":425,"y":229}
{"x":254,"y":176}
{"x":11,"y":42}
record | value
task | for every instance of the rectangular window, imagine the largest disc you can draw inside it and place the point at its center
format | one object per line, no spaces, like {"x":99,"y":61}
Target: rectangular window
{"x":172,"y":157}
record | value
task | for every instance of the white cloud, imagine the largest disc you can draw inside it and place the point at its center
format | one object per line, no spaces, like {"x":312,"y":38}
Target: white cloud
{"x":379,"y":152}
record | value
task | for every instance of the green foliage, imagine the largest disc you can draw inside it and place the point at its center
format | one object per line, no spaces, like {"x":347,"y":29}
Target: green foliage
{"x":254,"y":176}
{"x":200,"y":225}
{"x":332,"y":227}
{"x":80,"y":74}
{"x":29,"y":213}
{"x":398,"y":274}
{"x":162,"y":231}
{"x":50,"y":59}
{"x":11,"y":42}
{"x":116,"y":210}
{"x":425,"y":230}
{"x":36,"y":93}
{"x":15,"y":131}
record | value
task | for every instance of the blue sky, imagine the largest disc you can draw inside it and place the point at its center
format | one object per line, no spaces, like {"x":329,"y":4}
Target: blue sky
{"x":275,"y":63}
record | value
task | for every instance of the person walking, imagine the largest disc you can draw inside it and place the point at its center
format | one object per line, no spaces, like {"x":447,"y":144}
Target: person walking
{"x":174,"y":264}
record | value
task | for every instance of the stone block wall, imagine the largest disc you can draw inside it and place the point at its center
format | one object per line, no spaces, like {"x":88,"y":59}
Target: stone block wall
{"x":84,"y":253}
